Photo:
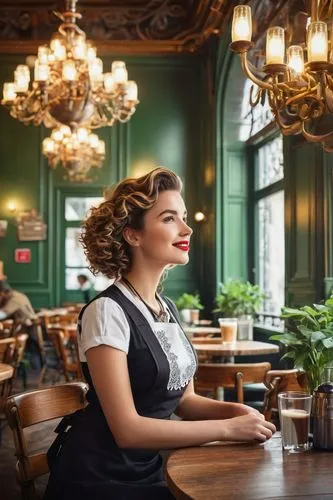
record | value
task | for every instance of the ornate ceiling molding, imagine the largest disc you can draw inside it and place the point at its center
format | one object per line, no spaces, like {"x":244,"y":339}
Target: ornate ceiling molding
{"x":125,"y":27}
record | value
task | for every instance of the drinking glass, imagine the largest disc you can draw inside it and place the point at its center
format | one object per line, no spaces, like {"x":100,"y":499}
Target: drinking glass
{"x":228,"y":327}
{"x":294,"y":412}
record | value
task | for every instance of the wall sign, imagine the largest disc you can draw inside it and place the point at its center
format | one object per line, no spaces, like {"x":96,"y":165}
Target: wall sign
{"x":22,"y":255}
{"x":30,"y":226}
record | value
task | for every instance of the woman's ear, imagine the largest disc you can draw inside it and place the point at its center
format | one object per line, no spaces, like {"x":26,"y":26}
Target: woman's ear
{"x":130,"y":236}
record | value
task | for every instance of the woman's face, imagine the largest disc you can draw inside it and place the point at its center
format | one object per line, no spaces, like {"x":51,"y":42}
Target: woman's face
{"x":165,"y":237}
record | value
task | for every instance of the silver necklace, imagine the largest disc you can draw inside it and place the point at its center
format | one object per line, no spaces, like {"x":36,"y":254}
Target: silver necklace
{"x":162,"y":316}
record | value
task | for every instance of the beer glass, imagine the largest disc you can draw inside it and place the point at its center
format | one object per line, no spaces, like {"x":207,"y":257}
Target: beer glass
{"x":294,"y":413}
{"x":228,"y":328}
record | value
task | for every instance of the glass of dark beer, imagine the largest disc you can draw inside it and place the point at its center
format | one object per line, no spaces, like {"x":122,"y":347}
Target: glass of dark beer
{"x":294,"y":412}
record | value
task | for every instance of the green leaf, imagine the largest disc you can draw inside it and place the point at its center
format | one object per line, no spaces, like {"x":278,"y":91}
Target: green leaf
{"x":328,"y":342}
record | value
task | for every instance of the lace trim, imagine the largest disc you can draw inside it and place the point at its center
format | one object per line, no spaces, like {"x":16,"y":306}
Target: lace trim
{"x":179,"y":376}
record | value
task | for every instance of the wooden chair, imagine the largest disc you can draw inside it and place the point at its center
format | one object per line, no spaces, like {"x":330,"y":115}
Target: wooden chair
{"x":33,"y":407}
{"x":67,"y":351}
{"x":7,"y":350}
{"x":280,"y":381}
{"x":211,"y":376}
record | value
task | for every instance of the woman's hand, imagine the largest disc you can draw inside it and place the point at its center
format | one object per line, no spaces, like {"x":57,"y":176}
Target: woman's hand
{"x":250,"y":427}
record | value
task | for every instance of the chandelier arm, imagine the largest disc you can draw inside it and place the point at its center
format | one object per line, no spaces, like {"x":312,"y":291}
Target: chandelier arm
{"x":298,"y":97}
{"x":249,"y":74}
{"x":69,"y":26}
{"x":254,"y":102}
{"x":316,"y":138}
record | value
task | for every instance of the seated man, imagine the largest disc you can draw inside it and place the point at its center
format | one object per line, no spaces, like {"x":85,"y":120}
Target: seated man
{"x":17,"y":306}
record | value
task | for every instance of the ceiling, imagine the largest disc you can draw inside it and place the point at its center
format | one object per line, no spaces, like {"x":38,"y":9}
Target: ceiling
{"x":135,"y":26}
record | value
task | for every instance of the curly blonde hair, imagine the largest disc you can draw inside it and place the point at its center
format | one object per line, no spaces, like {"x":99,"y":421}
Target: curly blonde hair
{"x":125,"y":206}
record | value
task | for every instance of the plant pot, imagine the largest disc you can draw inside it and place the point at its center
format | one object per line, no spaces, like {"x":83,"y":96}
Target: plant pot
{"x":245,"y":328}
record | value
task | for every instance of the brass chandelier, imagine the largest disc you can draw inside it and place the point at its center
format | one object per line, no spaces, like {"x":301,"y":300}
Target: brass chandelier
{"x":70,"y":90}
{"x":300,"y":90}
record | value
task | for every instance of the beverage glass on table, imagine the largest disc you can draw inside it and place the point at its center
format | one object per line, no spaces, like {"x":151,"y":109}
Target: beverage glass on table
{"x":294,"y":413}
{"x":228,"y":328}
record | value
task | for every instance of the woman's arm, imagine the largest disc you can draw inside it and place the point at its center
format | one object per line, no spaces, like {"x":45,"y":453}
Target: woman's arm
{"x":195,"y":407}
{"x":108,"y":369}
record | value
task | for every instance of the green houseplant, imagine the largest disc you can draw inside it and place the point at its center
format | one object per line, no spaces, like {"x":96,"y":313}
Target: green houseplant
{"x":186,"y":304}
{"x":309,"y":340}
{"x":240,"y":299}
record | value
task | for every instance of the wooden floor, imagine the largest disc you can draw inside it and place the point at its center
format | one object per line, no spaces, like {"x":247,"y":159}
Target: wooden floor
{"x":40,"y":437}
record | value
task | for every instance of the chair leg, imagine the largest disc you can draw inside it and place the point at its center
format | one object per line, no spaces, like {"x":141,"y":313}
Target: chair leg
{"x":41,"y":376}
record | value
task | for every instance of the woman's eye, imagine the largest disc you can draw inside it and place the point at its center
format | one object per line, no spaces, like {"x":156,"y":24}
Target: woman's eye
{"x":170,"y":218}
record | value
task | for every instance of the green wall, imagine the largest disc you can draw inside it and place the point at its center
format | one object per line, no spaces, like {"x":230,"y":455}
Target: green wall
{"x":169,"y":128}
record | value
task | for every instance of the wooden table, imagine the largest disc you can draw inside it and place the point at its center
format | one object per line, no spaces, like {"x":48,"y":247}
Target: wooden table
{"x":239,"y":348}
{"x":201,"y":330}
{"x":249,"y":472}
{"x":6,"y":372}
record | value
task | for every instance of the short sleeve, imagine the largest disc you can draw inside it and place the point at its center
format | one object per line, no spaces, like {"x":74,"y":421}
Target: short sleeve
{"x":104,"y":323}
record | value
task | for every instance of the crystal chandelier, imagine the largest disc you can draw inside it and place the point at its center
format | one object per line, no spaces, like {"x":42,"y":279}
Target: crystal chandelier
{"x":300,"y":94}
{"x":69,"y":89}
{"x":78,"y":151}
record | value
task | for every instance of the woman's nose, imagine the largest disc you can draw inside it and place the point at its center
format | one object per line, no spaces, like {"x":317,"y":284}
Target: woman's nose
{"x":187,"y":230}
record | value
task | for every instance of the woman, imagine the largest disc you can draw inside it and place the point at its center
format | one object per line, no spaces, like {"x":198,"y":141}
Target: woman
{"x":135,"y":356}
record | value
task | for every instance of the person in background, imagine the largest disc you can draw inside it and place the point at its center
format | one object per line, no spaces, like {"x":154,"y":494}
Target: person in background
{"x":85,"y":287}
{"x":17,"y":306}
{"x":136,"y":357}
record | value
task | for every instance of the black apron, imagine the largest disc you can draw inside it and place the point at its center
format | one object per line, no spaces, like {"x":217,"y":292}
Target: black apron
{"x":89,"y":463}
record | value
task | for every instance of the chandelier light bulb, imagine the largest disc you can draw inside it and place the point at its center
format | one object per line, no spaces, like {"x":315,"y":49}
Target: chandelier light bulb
{"x":96,"y":70}
{"x":93,"y":140}
{"x":295,"y":58}
{"x":58,"y":48}
{"x":69,"y":71}
{"x":241,"y":24}
{"x":119,"y":72}
{"x":43,"y":54}
{"x":80,"y":48}
{"x":22,"y":78}
{"x":9,"y":92}
{"x":101,"y":148}
{"x":109,"y":82}
{"x":131,"y":91}
{"x":275,"y":45}
{"x":317,"y":43}
{"x":48,"y":146}
{"x":82,"y":134}
{"x":41,"y":72}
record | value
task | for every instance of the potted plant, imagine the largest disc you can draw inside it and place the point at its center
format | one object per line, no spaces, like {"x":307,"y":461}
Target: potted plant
{"x":241,"y":300}
{"x":189,"y":306}
{"x":309,"y":340}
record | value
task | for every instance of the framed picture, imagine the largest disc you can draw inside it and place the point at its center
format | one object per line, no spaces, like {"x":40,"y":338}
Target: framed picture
{"x":30,"y":226}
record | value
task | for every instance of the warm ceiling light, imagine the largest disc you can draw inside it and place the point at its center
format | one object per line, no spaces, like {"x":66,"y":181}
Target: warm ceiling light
{"x":69,"y":86}
{"x":300,"y":95}
{"x":78,"y":151}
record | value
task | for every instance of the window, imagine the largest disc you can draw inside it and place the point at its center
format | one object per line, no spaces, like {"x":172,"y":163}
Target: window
{"x":269,"y":223}
{"x":76,"y":209}
{"x":266,"y":149}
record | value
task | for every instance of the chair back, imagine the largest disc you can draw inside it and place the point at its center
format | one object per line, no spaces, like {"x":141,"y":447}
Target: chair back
{"x":280,"y":381}
{"x":34,"y":407}
{"x":7,"y":350}
{"x":67,"y":352}
{"x":211,"y":376}
{"x":21,"y":341}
